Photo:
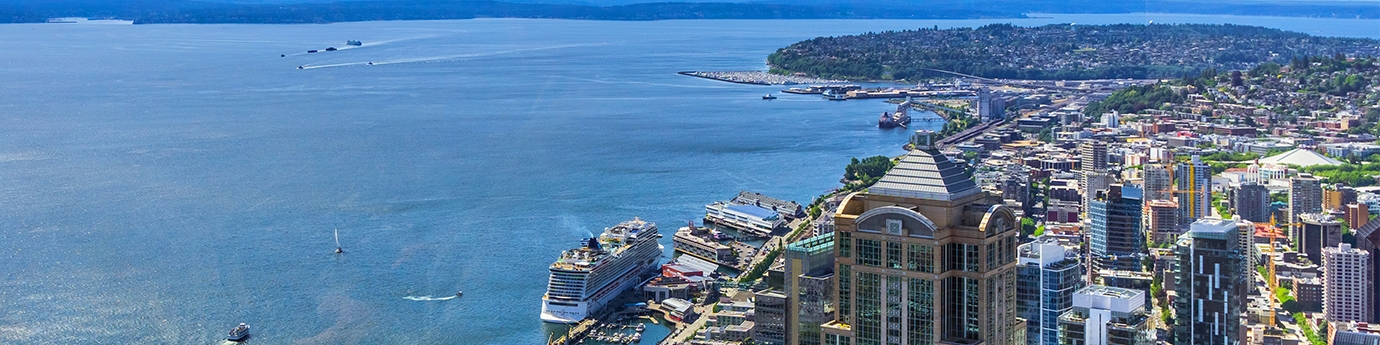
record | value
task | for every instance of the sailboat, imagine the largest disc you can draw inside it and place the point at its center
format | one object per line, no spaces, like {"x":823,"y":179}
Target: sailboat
{"x":337,"y":242}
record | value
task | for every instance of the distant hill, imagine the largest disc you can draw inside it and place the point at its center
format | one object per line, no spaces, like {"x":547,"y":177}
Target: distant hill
{"x":326,"y":11}
{"x":1059,"y":51}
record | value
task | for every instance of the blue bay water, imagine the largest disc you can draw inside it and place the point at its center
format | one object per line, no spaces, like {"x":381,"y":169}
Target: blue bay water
{"x":161,"y":183}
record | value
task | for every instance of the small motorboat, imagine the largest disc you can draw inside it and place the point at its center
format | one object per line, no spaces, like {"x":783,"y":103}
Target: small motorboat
{"x":769,"y":96}
{"x":330,"y":49}
{"x":238,"y":333}
{"x":282,"y":55}
{"x":371,"y":63}
{"x":641,"y":327}
{"x":311,"y":51}
{"x":458,"y":294}
{"x":300,"y":67}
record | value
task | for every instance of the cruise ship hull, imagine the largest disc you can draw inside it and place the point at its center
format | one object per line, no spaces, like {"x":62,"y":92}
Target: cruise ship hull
{"x":573,"y":312}
{"x":563,"y":314}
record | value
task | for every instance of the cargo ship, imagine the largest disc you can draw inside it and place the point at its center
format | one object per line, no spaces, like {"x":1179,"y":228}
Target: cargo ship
{"x":583,"y":280}
{"x":901,"y":118}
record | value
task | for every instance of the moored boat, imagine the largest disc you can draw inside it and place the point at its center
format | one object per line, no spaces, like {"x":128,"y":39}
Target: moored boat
{"x":585,"y":279}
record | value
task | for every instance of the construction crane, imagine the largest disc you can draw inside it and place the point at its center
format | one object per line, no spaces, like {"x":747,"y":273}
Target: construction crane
{"x":1174,"y":190}
{"x":1193,"y":188}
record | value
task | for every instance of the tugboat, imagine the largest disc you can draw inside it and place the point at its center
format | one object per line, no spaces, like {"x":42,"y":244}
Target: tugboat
{"x":769,"y":96}
{"x":238,"y":333}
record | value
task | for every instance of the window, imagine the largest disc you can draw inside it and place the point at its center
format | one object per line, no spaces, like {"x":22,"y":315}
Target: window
{"x":893,"y":255}
{"x":920,"y":258}
{"x":845,"y":244}
{"x":870,"y":253}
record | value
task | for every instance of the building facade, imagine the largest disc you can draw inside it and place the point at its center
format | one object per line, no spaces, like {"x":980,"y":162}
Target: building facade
{"x":1209,"y":304}
{"x":1368,"y":239}
{"x":925,"y":257}
{"x":809,"y":271}
{"x":769,"y":310}
{"x":1320,"y":230}
{"x":1305,"y":196}
{"x":1252,"y":202}
{"x":1158,"y":183}
{"x":1046,"y":278}
{"x":1103,"y":315}
{"x":1347,"y":284}
{"x":1194,"y":182}
{"x":1162,"y":221}
{"x":1114,"y":228}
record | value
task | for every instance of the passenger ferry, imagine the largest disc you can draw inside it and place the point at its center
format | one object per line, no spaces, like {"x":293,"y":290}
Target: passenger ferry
{"x":583,"y":280}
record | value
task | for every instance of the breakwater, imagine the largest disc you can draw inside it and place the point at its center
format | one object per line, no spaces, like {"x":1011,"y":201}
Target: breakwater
{"x":757,"y":78}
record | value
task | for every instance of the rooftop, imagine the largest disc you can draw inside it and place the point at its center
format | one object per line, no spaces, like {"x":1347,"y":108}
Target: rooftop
{"x":926,"y":173}
{"x":1109,"y":298}
{"x":752,"y":211}
{"x":1300,"y":157}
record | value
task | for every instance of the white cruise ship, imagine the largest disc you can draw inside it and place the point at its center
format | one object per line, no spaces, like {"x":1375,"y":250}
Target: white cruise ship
{"x":584,"y":279}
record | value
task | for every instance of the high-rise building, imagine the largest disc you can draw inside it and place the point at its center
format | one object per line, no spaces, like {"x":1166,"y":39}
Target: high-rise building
{"x":1158,"y":183}
{"x":1347,"y":284}
{"x":989,"y":106}
{"x":1162,"y":221}
{"x":809,"y":283}
{"x":1338,"y":197}
{"x":1111,"y":120}
{"x":1252,"y":202}
{"x":1352,"y":333}
{"x":1368,"y":239}
{"x":1194,"y":181}
{"x":1210,"y":299}
{"x":925,"y":257}
{"x":1103,"y":315}
{"x":1305,"y":196}
{"x":1093,"y":183}
{"x":1047,"y":277}
{"x":1114,"y":227}
{"x":769,"y":310}
{"x":1094,"y":154}
{"x":1357,"y":215}
{"x":1320,"y":230}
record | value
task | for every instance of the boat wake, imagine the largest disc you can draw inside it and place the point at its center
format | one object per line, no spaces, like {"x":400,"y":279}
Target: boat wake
{"x":429,"y":298}
{"x":448,"y":58}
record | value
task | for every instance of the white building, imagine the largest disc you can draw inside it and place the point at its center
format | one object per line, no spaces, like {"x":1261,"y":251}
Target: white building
{"x":1103,"y":315}
{"x":1347,"y":284}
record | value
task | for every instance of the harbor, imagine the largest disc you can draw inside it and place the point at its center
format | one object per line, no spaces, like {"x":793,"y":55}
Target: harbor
{"x":757,"y":78}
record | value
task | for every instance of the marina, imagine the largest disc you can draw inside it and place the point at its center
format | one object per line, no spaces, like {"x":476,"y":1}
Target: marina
{"x":757,"y":78}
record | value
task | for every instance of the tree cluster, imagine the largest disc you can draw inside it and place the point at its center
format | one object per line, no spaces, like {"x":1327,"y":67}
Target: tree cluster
{"x":1057,"y":51}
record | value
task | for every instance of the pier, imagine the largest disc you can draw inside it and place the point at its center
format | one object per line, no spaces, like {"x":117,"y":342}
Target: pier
{"x":577,"y":334}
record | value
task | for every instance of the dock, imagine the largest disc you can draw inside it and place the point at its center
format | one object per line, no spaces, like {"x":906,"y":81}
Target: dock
{"x":576,"y":334}
{"x":756,"y":78}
